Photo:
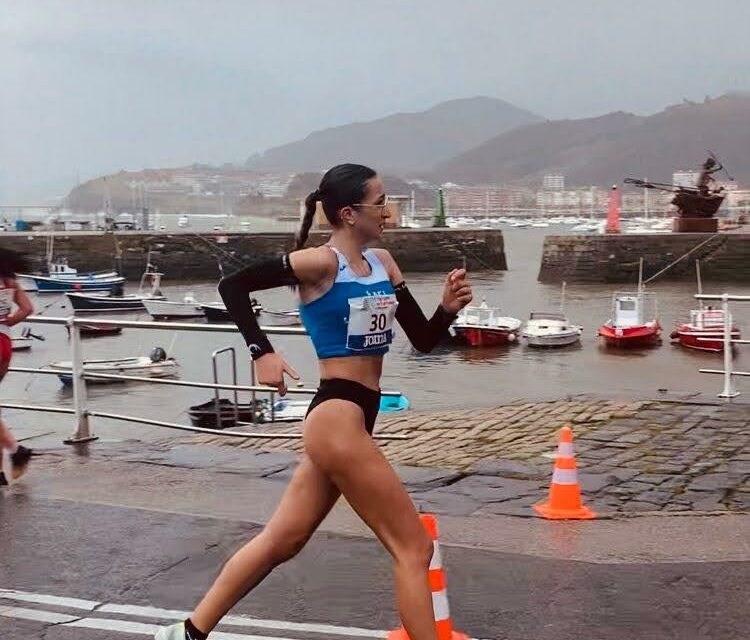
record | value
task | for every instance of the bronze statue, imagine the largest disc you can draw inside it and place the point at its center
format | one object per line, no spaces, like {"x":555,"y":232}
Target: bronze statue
{"x":700,"y":201}
{"x":705,"y":177}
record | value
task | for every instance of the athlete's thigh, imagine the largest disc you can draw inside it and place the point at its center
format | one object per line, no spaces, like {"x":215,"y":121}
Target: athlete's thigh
{"x":307,"y":500}
{"x":336,"y":440}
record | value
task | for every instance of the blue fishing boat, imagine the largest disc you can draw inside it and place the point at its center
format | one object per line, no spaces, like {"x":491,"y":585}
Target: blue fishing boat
{"x":62,"y":277}
{"x":88,"y":283}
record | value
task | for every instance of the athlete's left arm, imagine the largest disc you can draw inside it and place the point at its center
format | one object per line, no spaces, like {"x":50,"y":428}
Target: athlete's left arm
{"x":24,"y":310}
{"x":425,"y":334}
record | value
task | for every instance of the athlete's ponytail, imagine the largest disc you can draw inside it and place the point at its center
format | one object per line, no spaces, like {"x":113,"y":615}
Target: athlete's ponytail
{"x":341,"y":186}
{"x":311,"y":203}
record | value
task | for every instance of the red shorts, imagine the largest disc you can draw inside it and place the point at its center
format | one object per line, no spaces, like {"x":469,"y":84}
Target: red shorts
{"x":6,"y":352}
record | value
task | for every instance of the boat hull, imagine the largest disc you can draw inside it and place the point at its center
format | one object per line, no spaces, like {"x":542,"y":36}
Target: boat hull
{"x":552,"y":340}
{"x":140,"y":367}
{"x":225,"y":414}
{"x":630,"y":337}
{"x":92,"y":304}
{"x":93,"y":330}
{"x":163,"y":309}
{"x":691,"y":337}
{"x":215,"y":313}
{"x":485,"y":337}
{"x":55,"y":285}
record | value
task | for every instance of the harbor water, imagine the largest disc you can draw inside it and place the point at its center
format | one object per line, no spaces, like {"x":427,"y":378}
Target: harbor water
{"x":450,"y":377}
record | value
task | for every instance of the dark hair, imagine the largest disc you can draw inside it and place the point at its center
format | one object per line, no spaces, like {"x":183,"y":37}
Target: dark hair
{"x":341,"y":186}
{"x":12,"y":262}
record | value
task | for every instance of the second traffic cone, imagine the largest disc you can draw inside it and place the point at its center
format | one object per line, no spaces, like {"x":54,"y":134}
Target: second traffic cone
{"x":564,"y":501}
{"x":436,"y":575}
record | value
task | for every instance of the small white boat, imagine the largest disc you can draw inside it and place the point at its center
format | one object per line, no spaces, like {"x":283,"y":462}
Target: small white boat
{"x":544,"y":329}
{"x":550,"y":330}
{"x":188,"y":308}
{"x":183,"y":221}
{"x":156,"y":365}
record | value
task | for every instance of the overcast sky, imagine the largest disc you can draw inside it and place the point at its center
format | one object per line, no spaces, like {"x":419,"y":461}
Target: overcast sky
{"x":93,"y":86}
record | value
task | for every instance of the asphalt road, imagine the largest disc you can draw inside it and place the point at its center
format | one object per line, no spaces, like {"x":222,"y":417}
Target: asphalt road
{"x":129,"y":565}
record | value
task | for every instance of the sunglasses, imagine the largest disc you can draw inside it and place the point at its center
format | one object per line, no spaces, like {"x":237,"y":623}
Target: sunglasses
{"x":380,"y":207}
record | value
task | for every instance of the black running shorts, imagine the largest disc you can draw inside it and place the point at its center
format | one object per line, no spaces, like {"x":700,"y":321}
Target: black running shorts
{"x":341,"y":389}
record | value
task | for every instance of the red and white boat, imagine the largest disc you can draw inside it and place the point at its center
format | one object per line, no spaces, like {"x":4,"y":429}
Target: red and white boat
{"x":704,"y":330}
{"x":484,"y":326}
{"x":628,"y":328}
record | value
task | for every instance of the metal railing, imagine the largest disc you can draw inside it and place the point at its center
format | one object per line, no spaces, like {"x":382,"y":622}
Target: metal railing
{"x":729,"y":391}
{"x":78,"y":375}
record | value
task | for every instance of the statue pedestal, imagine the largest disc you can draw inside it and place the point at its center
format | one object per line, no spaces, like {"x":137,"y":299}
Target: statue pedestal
{"x":696,"y":225}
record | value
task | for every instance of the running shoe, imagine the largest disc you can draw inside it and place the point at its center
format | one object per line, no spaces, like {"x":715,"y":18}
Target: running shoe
{"x":19,"y":461}
{"x":175,"y":632}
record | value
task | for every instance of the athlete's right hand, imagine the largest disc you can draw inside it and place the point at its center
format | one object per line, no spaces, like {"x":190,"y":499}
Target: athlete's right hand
{"x":270,"y":369}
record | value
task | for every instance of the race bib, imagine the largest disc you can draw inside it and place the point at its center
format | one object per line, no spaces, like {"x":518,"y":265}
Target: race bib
{"x":6,"y":302}
{"x":370,"y":322}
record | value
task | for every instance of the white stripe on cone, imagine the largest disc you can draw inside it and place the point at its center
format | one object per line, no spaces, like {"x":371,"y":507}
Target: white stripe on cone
{"x":565,"y":449}
{"x":440,"y":605}
{"x":564,"y":476}
{"x":437,"y":560}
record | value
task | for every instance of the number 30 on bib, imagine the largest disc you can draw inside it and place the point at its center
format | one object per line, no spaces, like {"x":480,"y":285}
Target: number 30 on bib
{"x":371,"y":322}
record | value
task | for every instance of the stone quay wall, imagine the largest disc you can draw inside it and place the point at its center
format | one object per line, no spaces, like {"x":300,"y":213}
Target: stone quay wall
{"x":615,"y":258}
{"x":191,"y":255}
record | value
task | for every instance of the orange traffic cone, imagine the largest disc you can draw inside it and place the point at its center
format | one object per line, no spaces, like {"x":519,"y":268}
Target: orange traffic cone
{"x":564,"y":493}
{"x":443,"y":622}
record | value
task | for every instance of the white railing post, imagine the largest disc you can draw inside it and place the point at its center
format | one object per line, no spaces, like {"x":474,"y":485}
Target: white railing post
{"x":729,"y":391}
{"x":83,"y":432}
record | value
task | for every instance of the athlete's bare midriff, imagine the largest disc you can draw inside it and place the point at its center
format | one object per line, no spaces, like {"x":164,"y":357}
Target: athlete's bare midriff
{"x":366,"y":370}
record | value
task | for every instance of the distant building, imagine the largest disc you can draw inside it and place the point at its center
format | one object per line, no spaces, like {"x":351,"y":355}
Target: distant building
{"x":274,"y":187}
{"x":738,"y":201}
{"x":586,"y":200}
{"x":484,"y":199}
{"x":553,"y":182}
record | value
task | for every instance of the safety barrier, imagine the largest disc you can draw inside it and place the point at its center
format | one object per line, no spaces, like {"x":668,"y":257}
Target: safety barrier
{"x":729,"y":391}
{"x":82,"y":412}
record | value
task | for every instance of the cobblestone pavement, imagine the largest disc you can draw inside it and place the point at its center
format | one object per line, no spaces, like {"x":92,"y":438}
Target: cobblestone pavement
{"x":632,"y":456}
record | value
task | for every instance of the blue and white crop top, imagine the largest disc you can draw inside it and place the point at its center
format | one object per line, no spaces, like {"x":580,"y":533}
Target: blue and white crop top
{"x":355,"y":316}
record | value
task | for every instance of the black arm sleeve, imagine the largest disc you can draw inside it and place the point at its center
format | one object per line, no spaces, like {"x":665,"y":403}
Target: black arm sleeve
{"x":235,"y":292}
{"x":424,"y":334}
